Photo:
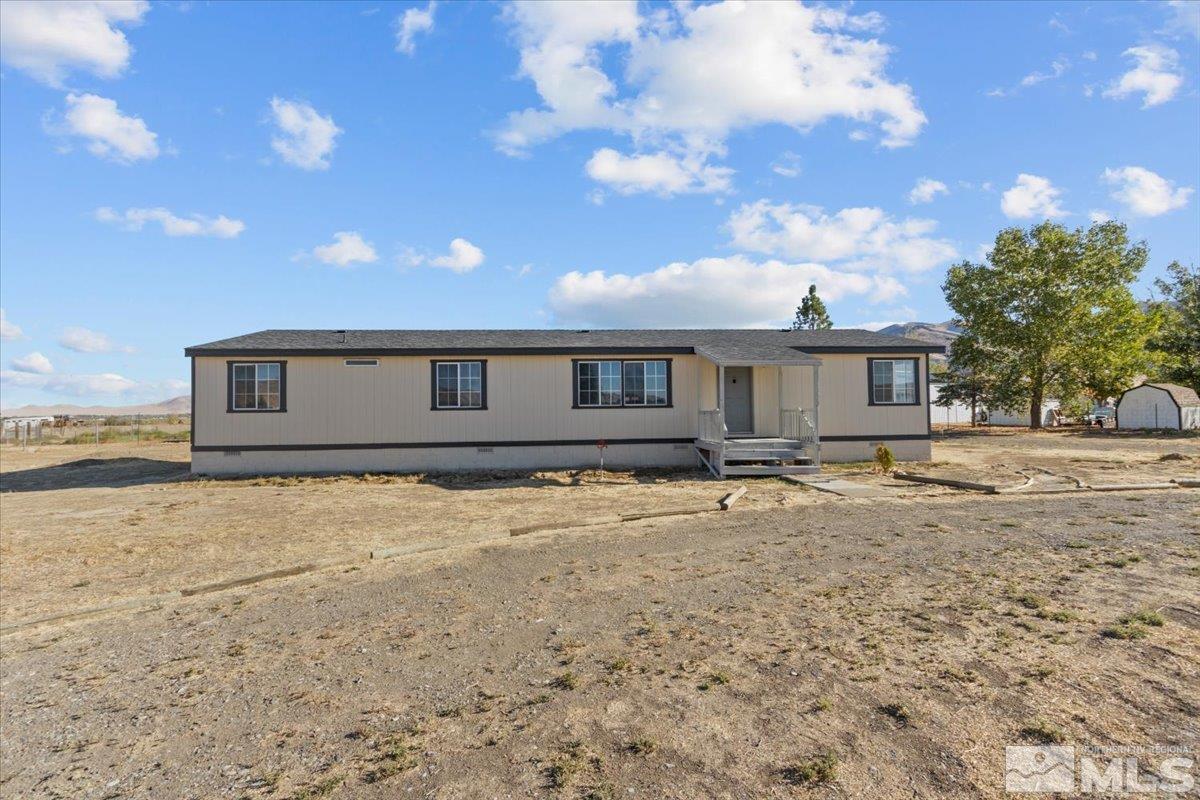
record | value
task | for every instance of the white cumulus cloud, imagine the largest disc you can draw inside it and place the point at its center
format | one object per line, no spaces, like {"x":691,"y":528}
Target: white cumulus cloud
{"x":347,"y":248}
{"x":693,"y":74}
{"x":659,"y":173}
{"x":134,"y":219}
{"x":1156,"y":75}
{"x":463,"y":257}
{"x":859,"y":239}
{"x":108,"y":133}
{"x":83,"y":340}
{"x":304,"y":138}
{"x":1183,"y":18}
{"x":1145,"y":193}
{"x":412,"y":22}
{"x":75,"y":385}
{"x":35,"y":363}
{"x":1031,"y":196}
{"x":751,"y":294}
{"x":47,"y":39}
{"x":9,"y":331}
{"x":925,"y":190}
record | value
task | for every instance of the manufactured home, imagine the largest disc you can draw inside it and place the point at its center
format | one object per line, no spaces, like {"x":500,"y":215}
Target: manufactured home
{"x":739,"y":402}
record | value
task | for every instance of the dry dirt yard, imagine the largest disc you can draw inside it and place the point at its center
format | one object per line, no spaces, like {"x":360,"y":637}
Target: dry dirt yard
{"x":801,"y":644}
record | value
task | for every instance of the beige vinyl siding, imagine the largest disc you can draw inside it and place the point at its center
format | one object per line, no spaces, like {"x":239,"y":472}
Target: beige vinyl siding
{"x":528,"y":397}
{"x":845,"y":410}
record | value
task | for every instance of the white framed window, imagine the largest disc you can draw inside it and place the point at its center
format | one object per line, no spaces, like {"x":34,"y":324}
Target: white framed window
{"x":257,"y":386}
{"x":645,"y":383}
{"x":892,"y":382}
{"x":459,"y":384}
{"x":613,"y":384}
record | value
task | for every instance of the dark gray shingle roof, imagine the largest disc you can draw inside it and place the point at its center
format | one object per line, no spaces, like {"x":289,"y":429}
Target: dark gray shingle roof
{"x":500,"y":342}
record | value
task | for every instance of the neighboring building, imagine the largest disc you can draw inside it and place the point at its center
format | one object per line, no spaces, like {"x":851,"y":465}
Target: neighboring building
{"x":1020,"y":417}
{"x":1159,"y":405}
{"x":743,"y":401}
{"x":957,"y":413}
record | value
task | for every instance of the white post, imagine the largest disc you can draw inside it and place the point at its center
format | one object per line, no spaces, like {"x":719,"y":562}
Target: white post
{"x":721,"y":398}
{"x":817,"y":409}
{"x":780,"y":371}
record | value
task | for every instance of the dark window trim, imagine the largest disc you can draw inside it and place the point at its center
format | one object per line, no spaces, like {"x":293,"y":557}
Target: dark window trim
{"x":229,"y":409}
{"x":871,"y":382}
{"x":575,"y":385}
{"x":433,"y":403}
{"x":928,"y":406}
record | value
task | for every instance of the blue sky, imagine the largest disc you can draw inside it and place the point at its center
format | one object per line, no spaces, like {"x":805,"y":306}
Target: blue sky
{"x":176,"y":173}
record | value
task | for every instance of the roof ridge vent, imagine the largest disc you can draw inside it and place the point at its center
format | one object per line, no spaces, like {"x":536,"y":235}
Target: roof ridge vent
{"x":341,"y":336}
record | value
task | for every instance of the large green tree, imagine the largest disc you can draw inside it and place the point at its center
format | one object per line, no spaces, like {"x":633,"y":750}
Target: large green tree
{"x":811,"y":314}
{"x":1051,"y":307}
{"x":1177,"y":342}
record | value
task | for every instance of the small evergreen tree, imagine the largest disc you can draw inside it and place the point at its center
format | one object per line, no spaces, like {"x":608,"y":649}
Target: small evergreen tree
{"x":811,"y":314}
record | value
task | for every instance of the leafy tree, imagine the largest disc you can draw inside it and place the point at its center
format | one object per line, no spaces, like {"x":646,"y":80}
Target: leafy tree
{"x":811,"y":314}
{"x":1113,"y":352}
{"x":1050,"y":308}
{"x":1178,"y":339}
{"x":970,"y":379}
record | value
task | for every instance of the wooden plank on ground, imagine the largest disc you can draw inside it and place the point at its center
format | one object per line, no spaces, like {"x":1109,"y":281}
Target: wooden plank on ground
{"x":571,"y":523}
{"x":840,"y":487}
{"x":956,"y":484}
{"x":728,"y":500}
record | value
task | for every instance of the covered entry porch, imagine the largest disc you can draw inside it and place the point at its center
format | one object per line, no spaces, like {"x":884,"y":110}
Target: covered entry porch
{"x":759,"y":410}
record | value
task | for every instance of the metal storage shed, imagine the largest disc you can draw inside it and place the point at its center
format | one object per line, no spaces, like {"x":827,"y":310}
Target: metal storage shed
{"x":1159,"y":405}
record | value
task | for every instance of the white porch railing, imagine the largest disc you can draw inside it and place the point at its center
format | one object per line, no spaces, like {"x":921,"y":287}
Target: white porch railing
{"x":712,"y":426}
{"x":797,"y":426}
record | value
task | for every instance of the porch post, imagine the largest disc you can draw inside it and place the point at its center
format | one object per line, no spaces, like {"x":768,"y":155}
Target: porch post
{"x":817,"y":409}
{"x":780,"y":371}
{"x":721,"y":397}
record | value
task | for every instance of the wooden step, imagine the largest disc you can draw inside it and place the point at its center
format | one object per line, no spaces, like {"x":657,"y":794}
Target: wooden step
{"x":767,"y":469}
{"x":763,"y":453}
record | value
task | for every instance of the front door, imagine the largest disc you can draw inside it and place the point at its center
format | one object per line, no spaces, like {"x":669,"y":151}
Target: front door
{"x":739,"y":401}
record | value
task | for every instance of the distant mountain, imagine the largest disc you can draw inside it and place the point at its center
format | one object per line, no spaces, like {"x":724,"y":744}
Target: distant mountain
{"x":173,"y":407}
{"x":943,"y":333}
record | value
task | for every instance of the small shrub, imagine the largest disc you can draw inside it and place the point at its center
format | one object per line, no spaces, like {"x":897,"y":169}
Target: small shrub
{"x":815,"y":772}
{"x":1124,"y":631}
{"x":718,"y":678}
{"x":898,"y":712}
{"x":885,"y":462}
{"x":1148,"y":617}
{"x":568,"y":681}
{"x":1043,"y":732}
{"x":1030,"y":600}
{"x":396,"y":757}
{"x":621,"y":664}
{"x":643,"y":745}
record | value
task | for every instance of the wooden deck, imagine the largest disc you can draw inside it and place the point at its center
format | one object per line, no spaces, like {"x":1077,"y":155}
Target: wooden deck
{"x":758,"y":456}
